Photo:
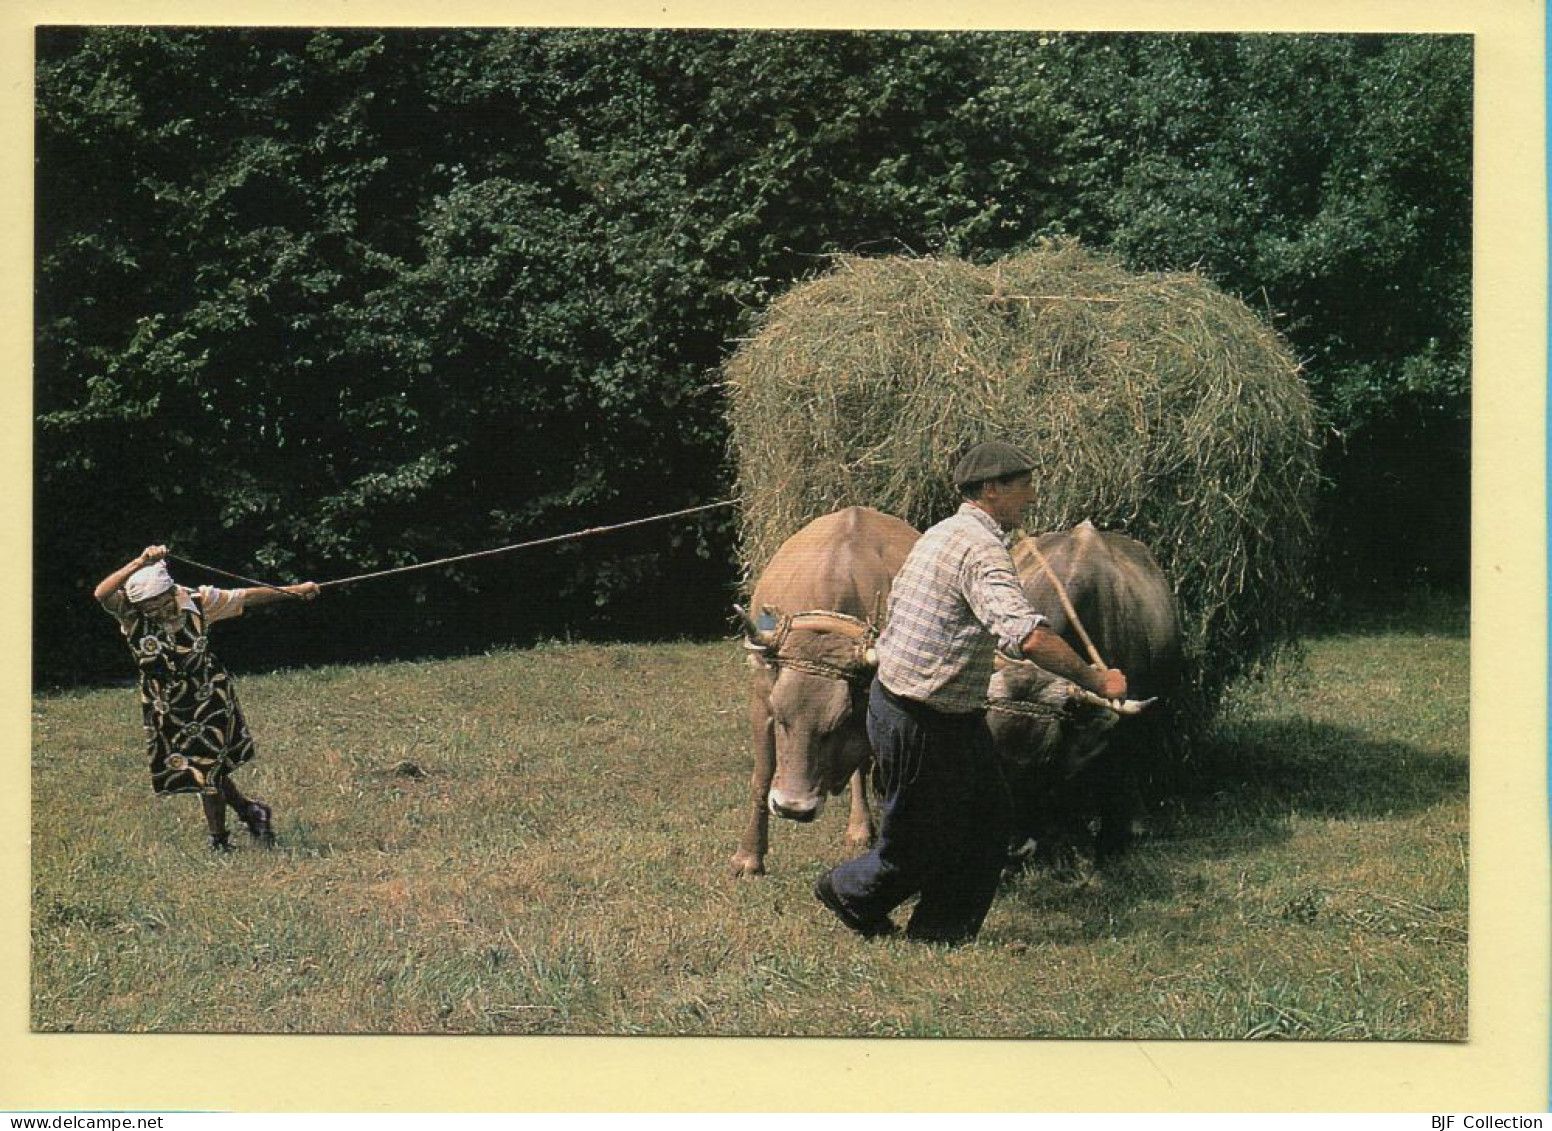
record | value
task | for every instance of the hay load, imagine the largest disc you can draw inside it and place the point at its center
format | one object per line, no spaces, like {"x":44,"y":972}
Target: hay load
{"x":1154,"y":405}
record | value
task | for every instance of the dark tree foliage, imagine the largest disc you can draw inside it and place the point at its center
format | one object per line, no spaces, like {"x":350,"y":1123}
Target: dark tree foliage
{"x":317,"y":302}
{"x":1327,"y":181}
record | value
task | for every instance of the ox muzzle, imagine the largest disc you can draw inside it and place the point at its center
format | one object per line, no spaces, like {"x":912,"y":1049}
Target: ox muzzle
{"x":790,"y":807}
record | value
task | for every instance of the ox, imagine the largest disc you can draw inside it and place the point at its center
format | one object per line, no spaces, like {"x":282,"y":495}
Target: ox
{"x":1068,"y":755}
{"x":817,"y":608}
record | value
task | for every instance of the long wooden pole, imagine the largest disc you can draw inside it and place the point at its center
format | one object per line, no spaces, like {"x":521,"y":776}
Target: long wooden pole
{"x":1072,"y":613}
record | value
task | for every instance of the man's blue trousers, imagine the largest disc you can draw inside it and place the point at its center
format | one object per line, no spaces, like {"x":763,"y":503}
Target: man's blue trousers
{"x":945,"y":821}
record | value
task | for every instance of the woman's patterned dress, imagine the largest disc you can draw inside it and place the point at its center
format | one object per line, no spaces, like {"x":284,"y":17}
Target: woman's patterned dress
{"x":195,"y":732}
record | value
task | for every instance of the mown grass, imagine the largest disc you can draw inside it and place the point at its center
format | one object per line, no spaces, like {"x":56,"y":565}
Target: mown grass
{"x":537,"y":842}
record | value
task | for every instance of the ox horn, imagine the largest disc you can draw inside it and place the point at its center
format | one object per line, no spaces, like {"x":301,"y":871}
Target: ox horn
{"x":762,"y":638}
{"x":1125,"y":707}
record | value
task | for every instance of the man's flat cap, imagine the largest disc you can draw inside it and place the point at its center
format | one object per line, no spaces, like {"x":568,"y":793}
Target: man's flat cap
{"x":991,"y":460}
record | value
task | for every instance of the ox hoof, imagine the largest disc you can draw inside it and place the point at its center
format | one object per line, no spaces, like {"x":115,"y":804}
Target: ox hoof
{"x":746,"y":865}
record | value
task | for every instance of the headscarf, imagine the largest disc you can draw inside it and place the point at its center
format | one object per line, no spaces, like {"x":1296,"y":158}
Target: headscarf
{"x":152,"y":581}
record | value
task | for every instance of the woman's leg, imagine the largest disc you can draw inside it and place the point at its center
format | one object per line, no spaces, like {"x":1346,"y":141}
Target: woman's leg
{"x":214,"y":805}
{"x":255,"y":814}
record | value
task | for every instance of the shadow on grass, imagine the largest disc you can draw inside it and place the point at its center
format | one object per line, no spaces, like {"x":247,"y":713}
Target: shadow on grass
{"x":1253,"y":775}
{"x":1239,"y":793}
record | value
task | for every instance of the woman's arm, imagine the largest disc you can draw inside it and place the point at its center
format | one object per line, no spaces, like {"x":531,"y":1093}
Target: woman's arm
{"x":306,"y":591}
{"x":111,"y":584}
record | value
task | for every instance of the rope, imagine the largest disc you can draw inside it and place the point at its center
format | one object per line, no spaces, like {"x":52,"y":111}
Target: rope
{"x":465,"y":557}
{"x":233,"y":576}
{"x":525,"y":545}
{"x":1024,"y":707}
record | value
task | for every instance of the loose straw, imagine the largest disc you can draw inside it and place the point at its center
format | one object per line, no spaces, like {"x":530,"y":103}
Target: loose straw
{"x":465,"y":557}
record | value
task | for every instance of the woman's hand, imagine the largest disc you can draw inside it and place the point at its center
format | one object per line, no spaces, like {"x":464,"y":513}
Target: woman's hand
{"x":307,"y":590}
{"x":115,"y":580}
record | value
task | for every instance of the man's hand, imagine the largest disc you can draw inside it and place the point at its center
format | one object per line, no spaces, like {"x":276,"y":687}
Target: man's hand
{"x":307,"y":590}
{"x":1109,"y":683}
{"x":151,"y":555}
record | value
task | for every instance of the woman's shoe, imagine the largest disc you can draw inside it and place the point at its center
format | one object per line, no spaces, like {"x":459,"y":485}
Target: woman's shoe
{"x":258,"y":821}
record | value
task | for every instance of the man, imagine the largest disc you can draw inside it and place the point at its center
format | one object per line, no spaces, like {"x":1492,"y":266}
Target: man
{"x":946,"y":809}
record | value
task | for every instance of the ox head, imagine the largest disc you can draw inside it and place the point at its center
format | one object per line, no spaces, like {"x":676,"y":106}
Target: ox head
{"x":811,"y":672}
{"x":1043,"y":724}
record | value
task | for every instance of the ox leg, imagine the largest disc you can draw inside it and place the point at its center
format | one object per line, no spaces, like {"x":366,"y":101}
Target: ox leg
{"x":859,"y":826}
{"x":1119,"y":803}
{"x":1062,"y":853}
{"x":1050,"y":830}
{"x":749,"y":860}
{"x":1029,"y":833}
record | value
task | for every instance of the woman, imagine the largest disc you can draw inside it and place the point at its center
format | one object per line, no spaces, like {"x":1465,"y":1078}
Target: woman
{"x":195,"y":733}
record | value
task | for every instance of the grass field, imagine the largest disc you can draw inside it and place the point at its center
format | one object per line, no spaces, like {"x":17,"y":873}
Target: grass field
{"x":537,"y":842}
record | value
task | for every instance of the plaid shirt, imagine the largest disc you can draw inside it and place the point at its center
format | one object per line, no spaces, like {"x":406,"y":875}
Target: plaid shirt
{"x":956,"y":600}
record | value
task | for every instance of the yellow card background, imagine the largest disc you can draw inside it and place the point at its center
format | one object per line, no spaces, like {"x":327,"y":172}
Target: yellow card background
{"x":1503,"y":1067}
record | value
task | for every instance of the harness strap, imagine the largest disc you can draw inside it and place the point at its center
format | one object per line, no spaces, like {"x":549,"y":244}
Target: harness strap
{"x":860,"y":632}
{"x":821,"y":620}
{"x":857,"y":674}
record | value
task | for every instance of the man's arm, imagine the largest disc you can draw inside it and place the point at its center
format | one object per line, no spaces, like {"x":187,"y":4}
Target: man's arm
{"x":1051,"y":652}
{"x":991,"y":586}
